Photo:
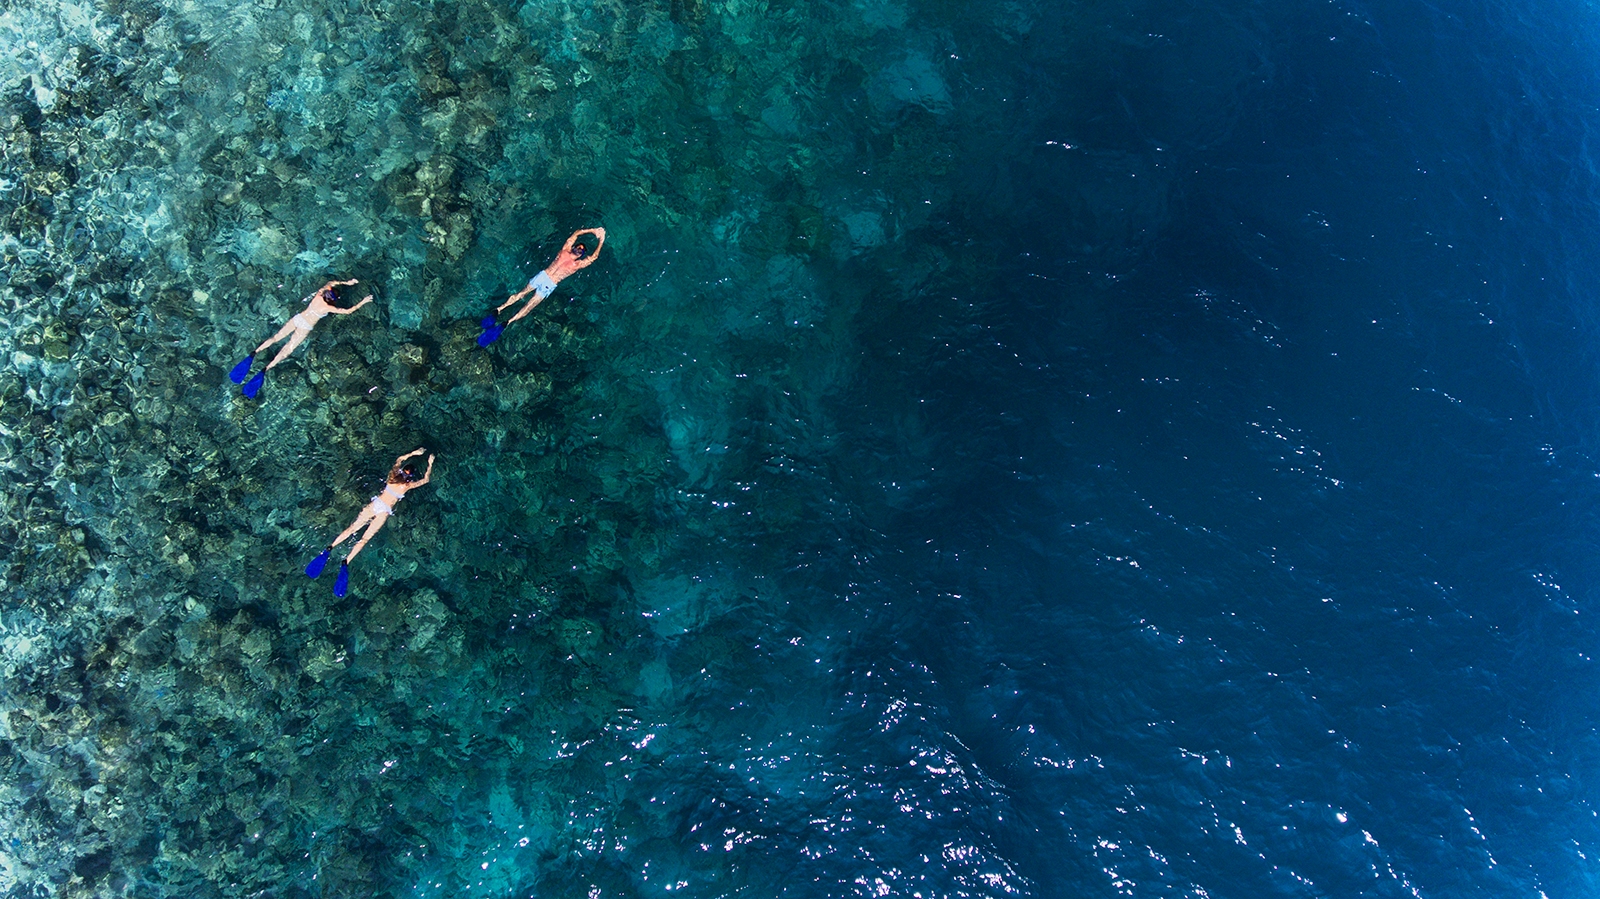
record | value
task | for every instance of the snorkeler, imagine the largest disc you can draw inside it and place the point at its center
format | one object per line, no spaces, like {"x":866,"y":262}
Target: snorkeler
{"x":403,"y":478}
{"x":318,"y":305}
{"x":573,"y":256}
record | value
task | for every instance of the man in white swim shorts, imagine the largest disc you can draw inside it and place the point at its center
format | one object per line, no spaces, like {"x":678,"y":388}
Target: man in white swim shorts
{"x":573,"y":256}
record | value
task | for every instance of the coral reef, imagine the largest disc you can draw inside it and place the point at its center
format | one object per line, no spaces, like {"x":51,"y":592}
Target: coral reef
{"x":532,"y":652}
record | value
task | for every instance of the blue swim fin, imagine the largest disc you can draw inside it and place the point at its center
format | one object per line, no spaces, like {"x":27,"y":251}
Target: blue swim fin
{"x":342,"y":585}
{"x":488,"y":321}
{"x":254,"y":387}
{"x":315,"y":568}
{"x":490,"y":335}
{"x":242,"y":370}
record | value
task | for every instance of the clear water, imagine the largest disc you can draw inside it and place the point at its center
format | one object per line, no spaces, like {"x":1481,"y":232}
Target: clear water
{"x":1015,"y":449}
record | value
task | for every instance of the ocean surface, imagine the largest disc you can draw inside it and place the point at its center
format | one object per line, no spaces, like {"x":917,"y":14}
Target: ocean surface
{"x":1020,"y":449}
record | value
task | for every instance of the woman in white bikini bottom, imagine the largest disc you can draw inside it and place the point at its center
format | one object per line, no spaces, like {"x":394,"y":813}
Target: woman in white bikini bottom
{"x":297,"y":329}
{"x":402,"y":479}
{"x":574,"y":256}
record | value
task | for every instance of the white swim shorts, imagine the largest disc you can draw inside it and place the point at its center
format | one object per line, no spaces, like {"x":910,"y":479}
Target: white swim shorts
{"x":543,"y":285}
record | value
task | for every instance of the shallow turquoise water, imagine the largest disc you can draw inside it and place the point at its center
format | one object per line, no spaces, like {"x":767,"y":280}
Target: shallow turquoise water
{"x":1003,"y":449}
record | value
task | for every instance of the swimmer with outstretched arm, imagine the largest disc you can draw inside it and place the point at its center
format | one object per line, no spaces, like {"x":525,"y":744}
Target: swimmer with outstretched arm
{"x":403,"y":478}
{"x":573,"y":256}
{"x":318,"y":306}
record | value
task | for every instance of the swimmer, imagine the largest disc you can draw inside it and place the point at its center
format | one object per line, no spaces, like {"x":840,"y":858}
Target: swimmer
{"x":403,"y":478}
{"x":573,"y":256}
{"x":318,"y":306}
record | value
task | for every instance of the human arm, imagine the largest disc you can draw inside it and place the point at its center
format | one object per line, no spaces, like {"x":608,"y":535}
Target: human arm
{"x":588,"y":258}
{"x":427,"y":475}
{"x":364,"y":301}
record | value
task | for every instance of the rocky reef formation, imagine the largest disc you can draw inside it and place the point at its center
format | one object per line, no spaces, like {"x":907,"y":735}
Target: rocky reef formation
{"x":527,"y":661}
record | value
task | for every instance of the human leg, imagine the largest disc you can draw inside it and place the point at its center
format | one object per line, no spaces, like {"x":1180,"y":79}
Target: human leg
{"x":366,"y":513}
{"x":377,"y":522}
{"x":294,"y":341}
{"x":282,"y":333}
{"x":314,"y":569}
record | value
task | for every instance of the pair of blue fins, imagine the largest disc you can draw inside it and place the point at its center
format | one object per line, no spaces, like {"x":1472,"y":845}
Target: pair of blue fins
{"x":341,"y":585}
{"x":491,"y":330}
{"x":242,"y":371}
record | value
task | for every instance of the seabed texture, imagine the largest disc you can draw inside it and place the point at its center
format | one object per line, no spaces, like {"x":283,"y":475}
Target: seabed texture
{"x":554,"y":660}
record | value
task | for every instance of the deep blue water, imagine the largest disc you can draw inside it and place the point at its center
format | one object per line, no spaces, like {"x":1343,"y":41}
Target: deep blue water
{"x":1261,"y":495}
{"x":1015,"y":449}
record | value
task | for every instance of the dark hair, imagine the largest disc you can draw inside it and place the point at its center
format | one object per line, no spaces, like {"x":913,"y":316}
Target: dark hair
{"x":334,"y":297}
{"x":580,"y":249}
{"x":408,"y":472}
